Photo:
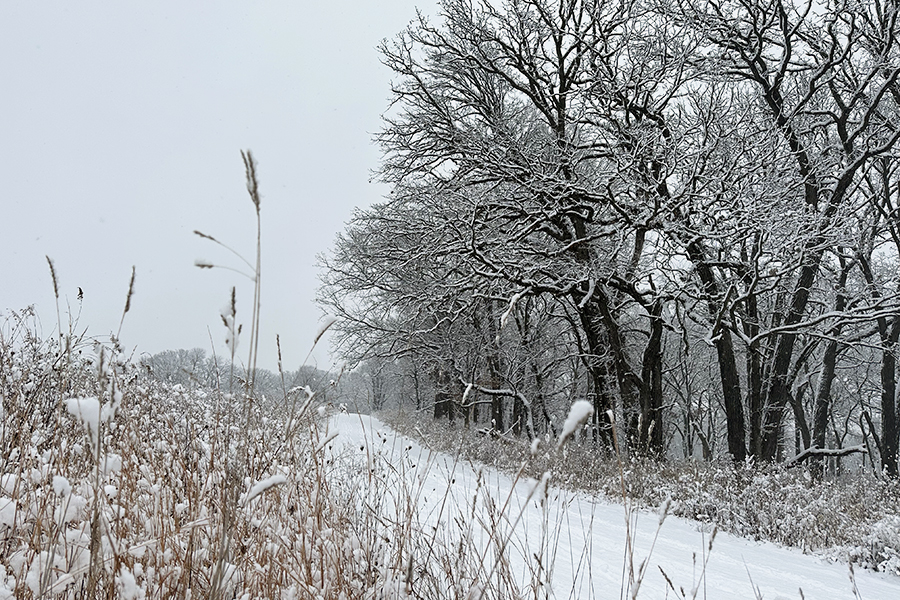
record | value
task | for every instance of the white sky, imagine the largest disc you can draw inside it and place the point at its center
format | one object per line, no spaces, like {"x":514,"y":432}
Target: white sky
{"x":121,"y":125}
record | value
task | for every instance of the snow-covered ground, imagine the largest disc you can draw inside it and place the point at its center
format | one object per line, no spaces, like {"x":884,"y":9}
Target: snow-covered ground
{"x":581,"y":540}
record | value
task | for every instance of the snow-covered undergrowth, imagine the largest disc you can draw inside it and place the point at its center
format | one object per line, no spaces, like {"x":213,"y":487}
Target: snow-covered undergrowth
{"x":852,"y":517}
{"x":115,"y":485}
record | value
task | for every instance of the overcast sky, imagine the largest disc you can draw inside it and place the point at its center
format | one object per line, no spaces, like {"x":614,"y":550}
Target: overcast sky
{"x":121,"y":126}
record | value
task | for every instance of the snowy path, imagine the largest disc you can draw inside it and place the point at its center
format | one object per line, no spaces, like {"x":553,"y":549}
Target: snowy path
{"x":589,"y":535}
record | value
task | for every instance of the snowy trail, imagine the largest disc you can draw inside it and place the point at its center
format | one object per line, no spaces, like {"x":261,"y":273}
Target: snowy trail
{"x":589,"y":535}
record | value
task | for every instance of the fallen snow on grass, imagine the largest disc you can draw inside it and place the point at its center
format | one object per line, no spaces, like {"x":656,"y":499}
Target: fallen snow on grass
{"x":8,"y":510}
{"x":86,"y":410}
{"x":580,"y":412}
{"x":581,"y":540}
{"x":261,"y":486}
{"x":61,"y":486}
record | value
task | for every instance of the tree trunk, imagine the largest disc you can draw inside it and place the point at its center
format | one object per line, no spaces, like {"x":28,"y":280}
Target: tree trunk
{"x":518,"y":416}
{"x":592,"y":323}
{"x":495,"y":369}
{"x":827,"y":377}
{"x":443,"y":402}
{"x":753,"y":361}
{"x":651,"y":391}
{"x":731,"y":393}
{"x":539,"y":403}
{"x":801,"y":428}
{"x":889,"y":334}
{"x":779,"y":391}
{"x":628,"y":383}
{"x":890,"y":432}
{"x":728,"y":372}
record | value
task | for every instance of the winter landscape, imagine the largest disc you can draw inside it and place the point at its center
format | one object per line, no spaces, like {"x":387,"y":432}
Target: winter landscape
{"x":155,"y":489}
{"x":619,"y":319}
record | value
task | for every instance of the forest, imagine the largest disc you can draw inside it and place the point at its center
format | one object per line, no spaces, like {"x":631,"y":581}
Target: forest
{"x":685,"y":212}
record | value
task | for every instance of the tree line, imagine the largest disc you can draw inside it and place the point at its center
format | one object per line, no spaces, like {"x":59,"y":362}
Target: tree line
{"x":362,"y":390}
{"x":687,"y":212}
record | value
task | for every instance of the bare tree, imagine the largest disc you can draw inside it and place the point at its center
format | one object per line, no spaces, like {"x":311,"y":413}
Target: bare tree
{"x":635,"y":178}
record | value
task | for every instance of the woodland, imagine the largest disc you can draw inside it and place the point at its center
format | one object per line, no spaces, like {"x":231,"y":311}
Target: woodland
{"x":686,"y":212}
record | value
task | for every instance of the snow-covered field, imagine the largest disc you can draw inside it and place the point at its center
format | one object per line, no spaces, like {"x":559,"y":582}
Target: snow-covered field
{"x":578,"y":546}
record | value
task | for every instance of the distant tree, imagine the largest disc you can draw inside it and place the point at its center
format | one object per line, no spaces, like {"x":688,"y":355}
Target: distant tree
{"x":187,"y":367}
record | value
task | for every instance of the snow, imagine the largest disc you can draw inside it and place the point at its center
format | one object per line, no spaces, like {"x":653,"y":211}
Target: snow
{"x":8,"y":483}
{"x":8,"y":508}
{"x":61,"y":486}
{"x":469,"y":387}
{"x":71,"y":509}
{"x":585,"y":553}
{"x":512,"y":305}
{"x":86,"y":410}
{"x":263,"y":485}
{"x":328,"y":439}
{"x":112,"y":463}
{"x":580,"y":412}
{"x":128,"y":587}
{"x":537,"y":490}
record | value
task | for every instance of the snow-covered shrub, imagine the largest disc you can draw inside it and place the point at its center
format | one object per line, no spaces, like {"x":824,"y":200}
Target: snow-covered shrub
{"x":116,"y":484}
{"x":880,"y":548}
{"x":111,"y":480}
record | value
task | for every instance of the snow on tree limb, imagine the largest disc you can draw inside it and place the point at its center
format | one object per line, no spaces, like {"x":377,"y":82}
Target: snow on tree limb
{"x":814,"y":451}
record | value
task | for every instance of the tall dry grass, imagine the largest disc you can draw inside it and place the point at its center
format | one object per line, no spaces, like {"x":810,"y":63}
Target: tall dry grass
{"x":114,"y":484}
{"x":176,"y":493}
